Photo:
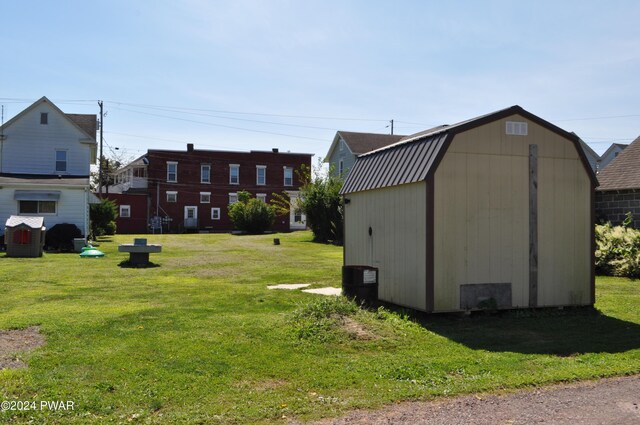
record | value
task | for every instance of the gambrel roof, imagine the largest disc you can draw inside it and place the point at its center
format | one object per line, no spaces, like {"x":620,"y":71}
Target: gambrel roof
{"x":416,"y":157}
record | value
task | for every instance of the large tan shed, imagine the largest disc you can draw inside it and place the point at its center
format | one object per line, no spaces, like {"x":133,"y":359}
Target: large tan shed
{"x":24,"y":236}
{"x":493,"y":212}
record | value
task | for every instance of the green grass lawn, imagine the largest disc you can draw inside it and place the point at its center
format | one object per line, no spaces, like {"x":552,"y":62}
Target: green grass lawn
{"x":200,"y":339}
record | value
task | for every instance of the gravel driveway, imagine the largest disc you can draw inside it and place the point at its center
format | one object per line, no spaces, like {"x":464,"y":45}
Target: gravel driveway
{"x":607,"y":401}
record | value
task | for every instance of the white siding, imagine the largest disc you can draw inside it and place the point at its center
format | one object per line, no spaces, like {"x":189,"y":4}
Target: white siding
{"x":72,"y":206}
{"x":397,"y":247}
{"x":29,"y":147}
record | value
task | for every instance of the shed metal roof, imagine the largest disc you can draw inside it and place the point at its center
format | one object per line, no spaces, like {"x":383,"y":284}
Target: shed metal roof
{"x":413,"y":158}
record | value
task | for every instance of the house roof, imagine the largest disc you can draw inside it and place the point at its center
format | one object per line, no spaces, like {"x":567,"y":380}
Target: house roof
{"x":623,"y":171}
{"x":360,"y":143}
{"x":29,"y":221}
{"x":80,"y":121}
{"x":87,"y":122}
{"x":613,"y":147}
{"x":416,"y":157}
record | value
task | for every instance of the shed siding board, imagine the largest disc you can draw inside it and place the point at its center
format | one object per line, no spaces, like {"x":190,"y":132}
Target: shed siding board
{"x":481,"y":214}
{"x":564,"y":261}
{"x":397,"y":217}
{"x":30,"y":147}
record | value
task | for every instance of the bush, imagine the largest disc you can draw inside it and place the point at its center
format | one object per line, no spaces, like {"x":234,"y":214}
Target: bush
{"x":251,"y":215}
{"x":617,"y":251}
{"x":323,"y":205}
{"x":61,"y":236}
{"x":103,"y":216}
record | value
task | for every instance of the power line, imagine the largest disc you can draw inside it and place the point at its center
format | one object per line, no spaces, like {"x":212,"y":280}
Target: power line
{"x":224,"y":126}
{"x":245,"y":113}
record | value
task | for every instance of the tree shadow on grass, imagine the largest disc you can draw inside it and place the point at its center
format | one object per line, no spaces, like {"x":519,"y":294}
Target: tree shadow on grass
{"x":556,"y":332}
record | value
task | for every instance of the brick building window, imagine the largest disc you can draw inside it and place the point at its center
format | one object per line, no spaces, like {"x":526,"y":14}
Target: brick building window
{"x":234,"y":174}
{"x":205,"y":173}
{"x":205,"y":197}
{"x":125,"y":211}
{"x":261,"y":175}
{"x":261,"y":197}
{"x":172,"y":171}
{"x":288,"y":176}
{"x":215,"y":213}
{"x":172,"y":196}
{"x":233,"y":198}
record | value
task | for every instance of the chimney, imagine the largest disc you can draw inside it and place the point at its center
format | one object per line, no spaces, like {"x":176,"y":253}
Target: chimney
{"x":274,"y":150}
{"x":189,"y":147}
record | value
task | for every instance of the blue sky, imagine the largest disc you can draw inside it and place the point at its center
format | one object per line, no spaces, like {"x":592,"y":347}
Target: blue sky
{"x":244,"y":74}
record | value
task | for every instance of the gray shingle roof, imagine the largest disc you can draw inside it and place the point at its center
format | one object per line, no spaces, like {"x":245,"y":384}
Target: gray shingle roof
{"x":415,"y":157}
{"x":623,"y":172}
{"x":360,"y":143}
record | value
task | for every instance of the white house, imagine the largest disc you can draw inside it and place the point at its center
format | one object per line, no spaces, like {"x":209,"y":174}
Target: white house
{"x":45,"y":157}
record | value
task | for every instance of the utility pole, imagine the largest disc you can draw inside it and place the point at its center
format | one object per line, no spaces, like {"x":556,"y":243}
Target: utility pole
{"x":100,"y":159}
{"x":389,"y":121}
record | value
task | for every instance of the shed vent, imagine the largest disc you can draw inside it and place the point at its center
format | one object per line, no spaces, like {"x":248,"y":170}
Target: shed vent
{"x":517,"y":128}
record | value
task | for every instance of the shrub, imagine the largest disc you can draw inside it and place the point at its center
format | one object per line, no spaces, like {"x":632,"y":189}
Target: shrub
{"x":323,"y":206}
{"x":61,"y":236}
{"x":103,"y":216}
{"x":617,"y":251}
{"x":251,"y":215}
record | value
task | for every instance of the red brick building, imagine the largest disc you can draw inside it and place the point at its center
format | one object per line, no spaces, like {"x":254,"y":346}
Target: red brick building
{"x":191,"y":190}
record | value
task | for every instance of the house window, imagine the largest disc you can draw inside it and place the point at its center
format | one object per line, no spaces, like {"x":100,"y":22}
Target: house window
{"x":61,"y":161}
{"x":172,"y":196}
{"x":172,"y":172}
{"x":22,"y":237}
{"x":37,"y":207}
{"x":261,"y":197}
{"x":125,"y":211}
{"x":44,"y":118}
{"x":261,"y":175}
{"x":233,"y":198}
{"x":215,"y":213}
{"x":234,"y":174}
{"x":288,"y":176}
{"x":340,"y":167}
{"x":297,"y":216}
{"x":205,"y":197}
{"x":205,"y":173}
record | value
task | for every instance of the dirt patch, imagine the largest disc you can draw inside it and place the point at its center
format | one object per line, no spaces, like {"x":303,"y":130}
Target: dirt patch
{"x":15,"y":342}
{"x":607,"y":401}
{"x":356,"y":329}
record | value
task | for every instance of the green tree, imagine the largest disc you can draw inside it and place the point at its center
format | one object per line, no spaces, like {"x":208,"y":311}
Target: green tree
{"x":103,"y":218}
{"x":320,"y":200}
{"x":251,"y":215}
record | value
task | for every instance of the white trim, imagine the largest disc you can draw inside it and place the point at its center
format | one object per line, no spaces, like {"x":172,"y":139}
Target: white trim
{"x":176,"y":172}
{"x":262,"y":197}
{"x":232,"y":195}
{"x":174,"y":193}
{"x":236,"y":166}
{"x":201,"y":173}
{"x":285,"y":176}
{"x":123,"y":208}
{"x":258,"y":168}
{"x":215,"y":210}
{"x":195,"y":211}
{"x":208,"y":195}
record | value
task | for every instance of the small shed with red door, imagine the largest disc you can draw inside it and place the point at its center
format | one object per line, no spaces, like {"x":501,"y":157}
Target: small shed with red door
{"x":24,"y":236}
